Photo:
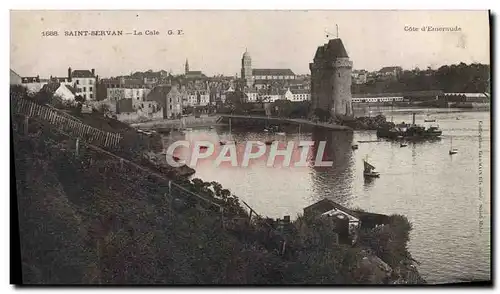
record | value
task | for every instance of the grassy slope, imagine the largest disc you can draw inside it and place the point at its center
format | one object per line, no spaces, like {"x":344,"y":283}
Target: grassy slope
{"x":63,"y":199}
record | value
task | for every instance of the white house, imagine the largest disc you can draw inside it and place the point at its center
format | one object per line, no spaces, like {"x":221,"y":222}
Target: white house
{"x":65,"y":93}
{"x":287,"y":95}
{"x":301,"y":95}
{"x":84,"y":81}
{"x":251,"y":96}
{"x":204,"y":99}
{"x":376,"y":99}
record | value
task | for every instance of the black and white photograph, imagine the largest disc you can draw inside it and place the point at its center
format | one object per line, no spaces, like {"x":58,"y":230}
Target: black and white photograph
{"x":250,"y":147}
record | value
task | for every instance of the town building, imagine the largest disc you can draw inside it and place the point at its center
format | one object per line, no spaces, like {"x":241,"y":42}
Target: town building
{"x":192,"y":74}
{"x":66,"y":93}
{"x":33,"y":84}
{"x":390,"y":71}
{"x":104,"y":86}
{"x":347,"y":222}
{"x":60,"y":92}
{"x":136,"y":94}
{"x":359,"y":76}
{"x":260,"y":77}
{"x":378,"y":98}
{"x":287,"y":95}
{"x":466,"y":97}
{"x":84,"y":81}
{"x":169,"y":98}
{"x":246,"y":69}
{"x":301,"y":95}
{"x":272,"y":95}
{"x":251,"y":95}
{"x":331,"y":79}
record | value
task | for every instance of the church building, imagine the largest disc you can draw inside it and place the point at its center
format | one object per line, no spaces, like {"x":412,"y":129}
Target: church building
{"x":259,"y":77}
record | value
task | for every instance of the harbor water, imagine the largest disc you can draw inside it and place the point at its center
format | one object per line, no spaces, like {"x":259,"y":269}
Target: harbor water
{"x":446,"y":197}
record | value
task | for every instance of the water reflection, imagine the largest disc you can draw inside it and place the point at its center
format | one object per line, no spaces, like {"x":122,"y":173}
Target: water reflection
{"x":335,"y":179}
{"x":368,"y":183}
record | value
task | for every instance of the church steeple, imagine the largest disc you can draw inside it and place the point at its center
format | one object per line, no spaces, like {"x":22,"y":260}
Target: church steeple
{"x":186,"y":67}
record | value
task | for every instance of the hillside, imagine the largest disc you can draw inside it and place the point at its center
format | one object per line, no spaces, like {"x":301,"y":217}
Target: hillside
{"x":456,"y":78}
{"x":88,"y":219}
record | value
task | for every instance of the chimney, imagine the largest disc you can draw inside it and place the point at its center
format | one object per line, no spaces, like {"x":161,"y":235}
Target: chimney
{"x":69,"y":74}
{"x":93,"y":71}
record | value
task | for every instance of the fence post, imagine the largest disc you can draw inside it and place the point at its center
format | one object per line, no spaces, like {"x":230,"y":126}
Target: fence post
{"x":106,"y":141}
{"x":77,"y":145}
{"x":26,"y":118}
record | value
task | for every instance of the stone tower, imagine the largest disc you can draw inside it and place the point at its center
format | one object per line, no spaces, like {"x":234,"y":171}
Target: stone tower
{"x":246,"y":69}
{"x":186,"y":67}
{"x":331,"y":79}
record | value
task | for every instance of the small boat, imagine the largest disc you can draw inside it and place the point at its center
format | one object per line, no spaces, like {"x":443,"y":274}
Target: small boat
{"x":403,"y":145}
{"x":429,"y":120}
{"x":266,"y":130}
{"x":354,"y":147}
{"x":281,"y":133}
{"x":452,"y":150}
{"x":369,"y":171}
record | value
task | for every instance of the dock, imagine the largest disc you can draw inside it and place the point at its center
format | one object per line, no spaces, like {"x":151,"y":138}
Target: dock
{"x":297,"y":121}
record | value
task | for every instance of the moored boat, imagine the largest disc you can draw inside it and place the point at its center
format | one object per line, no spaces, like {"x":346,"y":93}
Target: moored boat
{"x":452,"y":150}
{"x":369,"y":170}
{"x":409,"y":131}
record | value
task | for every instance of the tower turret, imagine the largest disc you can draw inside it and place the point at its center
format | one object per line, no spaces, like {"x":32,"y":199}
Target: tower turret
{"x":331,"y":79}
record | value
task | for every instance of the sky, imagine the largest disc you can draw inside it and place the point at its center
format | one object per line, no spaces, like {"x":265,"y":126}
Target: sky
{"x":214,"y":41}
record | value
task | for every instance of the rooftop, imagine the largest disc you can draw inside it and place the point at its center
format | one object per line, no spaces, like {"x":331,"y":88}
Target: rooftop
{"x":326,"y":205}
{"x":272,"y":72}
{"x":82,"y":73}
{"x":332,"y":50}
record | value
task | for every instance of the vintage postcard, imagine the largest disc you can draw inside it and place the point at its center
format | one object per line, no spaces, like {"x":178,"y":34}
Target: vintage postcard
{"x":251,"y":147}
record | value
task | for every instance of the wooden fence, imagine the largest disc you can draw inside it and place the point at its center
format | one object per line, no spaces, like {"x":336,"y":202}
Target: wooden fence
{"x":67,"y":124}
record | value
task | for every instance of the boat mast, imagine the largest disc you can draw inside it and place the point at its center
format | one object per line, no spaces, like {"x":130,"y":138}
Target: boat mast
{"x":392,"y":110}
